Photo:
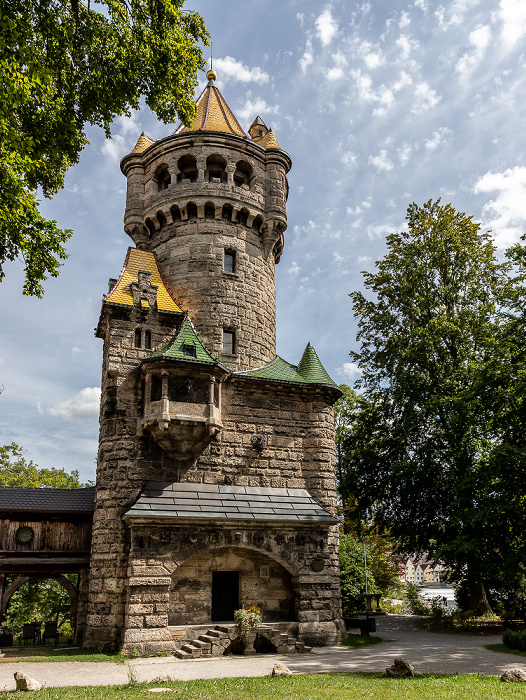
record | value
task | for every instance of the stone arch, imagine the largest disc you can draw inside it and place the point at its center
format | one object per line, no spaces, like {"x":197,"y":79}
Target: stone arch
{"x":227,"y":211}
{"x":162,"y":177}
{"x":150,"y":226}
{"x":187,"y":166}
{"x":215,"y":169}
{"x":242,"y":216}
{"x":191,"y":211}
{"x":264,"y":579}
{"x":210,"y":210}
{"x":161,"y":218}
{"x":243,"y":174}
{"x":175,"y":212}
{"x":59,"y":578}
{"x":257,"y":223}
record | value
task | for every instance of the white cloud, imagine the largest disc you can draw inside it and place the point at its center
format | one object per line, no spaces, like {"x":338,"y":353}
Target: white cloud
{"x":307,"y":59}
{"x":479,"y":39}
{"x":438,"y":138}
{"x":405,"y":20}
{"x":404,"y":153}
{"x":424,"y":98}
{"x":349,"y":371}
{"x":252,"y":108}
{"x":381,"y":162}
{"x":335,"y":73}
{"x":349,"y":158}
{"x":373,"y":59}
{"x":230,"y":69}
{"x":337,"y":258}
{"x":114,"y":148}
{"x":326,"y":27}
{"x":294,"y":268}
{"x":406,"y":45}
{"x":83,"y":406}
{"x":506,"y":213}
{"x":513,"y":17}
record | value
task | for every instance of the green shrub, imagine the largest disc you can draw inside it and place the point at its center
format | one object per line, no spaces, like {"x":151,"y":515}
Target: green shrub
{"x":514,"y":640}
{"x":414,"y":602}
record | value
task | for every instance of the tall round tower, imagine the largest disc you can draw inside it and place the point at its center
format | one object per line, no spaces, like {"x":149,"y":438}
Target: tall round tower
{"x":210,"y":201}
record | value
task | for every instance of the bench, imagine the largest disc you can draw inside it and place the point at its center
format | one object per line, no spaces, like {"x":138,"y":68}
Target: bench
{"x":364,"y":624}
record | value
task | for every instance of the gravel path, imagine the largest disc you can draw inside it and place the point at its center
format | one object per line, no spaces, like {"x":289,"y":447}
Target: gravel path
{"x":429,"y":652}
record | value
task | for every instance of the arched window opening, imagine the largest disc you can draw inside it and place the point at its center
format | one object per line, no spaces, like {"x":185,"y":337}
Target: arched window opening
{"x":215,"y":169}
{"x":191,"y":210}
{"x":175,"y":212}
{"x":243,"y":174}
{"x":229,"y":263}
{"x":242,"y":217}
{"x":210,"y":210}
{"x":227,"y":212}
{"x":161,"y":218}
{"x":150,"y":226}
{"x":137,"y":340}
{"x":187,"y":169}
{"x":162,"y":177}
{"x":257,"y":224}
{"x":147,"y":340}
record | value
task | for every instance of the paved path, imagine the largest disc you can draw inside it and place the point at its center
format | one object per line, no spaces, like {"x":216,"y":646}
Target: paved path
{"x":427,"y":651}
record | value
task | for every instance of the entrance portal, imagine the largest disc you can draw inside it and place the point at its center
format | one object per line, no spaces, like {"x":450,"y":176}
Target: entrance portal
{"x":225,"y":595}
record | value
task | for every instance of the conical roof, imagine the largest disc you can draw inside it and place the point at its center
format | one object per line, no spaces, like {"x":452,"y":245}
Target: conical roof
{"x":213,"y":113}
{"x":185,"y":344}
{"x":143,"y":142}
{"x":309,"y":371}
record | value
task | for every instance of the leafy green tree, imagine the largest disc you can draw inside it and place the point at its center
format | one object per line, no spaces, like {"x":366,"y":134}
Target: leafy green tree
{"x":67,"y":63}
{"x":15,"y":470}
{"x":421,"y":451}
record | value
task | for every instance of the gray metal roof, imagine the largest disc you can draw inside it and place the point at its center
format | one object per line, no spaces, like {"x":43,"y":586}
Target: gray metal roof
{"x":41,"y":500}
{"x":167,"y":500}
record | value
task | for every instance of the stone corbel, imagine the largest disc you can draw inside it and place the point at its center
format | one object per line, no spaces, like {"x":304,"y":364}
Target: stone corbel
{"x":273,"y":238}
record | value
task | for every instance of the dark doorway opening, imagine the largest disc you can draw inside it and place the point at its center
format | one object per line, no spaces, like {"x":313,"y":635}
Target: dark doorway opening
{"x":225,"y":595}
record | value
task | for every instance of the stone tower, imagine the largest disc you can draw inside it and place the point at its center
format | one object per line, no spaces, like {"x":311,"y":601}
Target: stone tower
{"x":215,"y":478}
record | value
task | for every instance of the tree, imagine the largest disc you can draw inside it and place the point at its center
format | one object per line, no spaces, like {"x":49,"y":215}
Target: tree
{"x":421,"y":454}
{"x":15,"y":470}
{"x":65,"y":63}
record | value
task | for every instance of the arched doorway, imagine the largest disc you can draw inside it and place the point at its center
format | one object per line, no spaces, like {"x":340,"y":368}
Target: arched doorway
{"x":209,"y":586}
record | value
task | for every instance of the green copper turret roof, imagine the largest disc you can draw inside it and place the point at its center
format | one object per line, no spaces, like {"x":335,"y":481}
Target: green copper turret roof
{"x":177,"y":347}
{"x":309,"y":371}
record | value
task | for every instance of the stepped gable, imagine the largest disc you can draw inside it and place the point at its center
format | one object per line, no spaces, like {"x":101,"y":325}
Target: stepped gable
{"x":222,"y":502}
{"x":180,"y":344}
{"x":309,"y":371}
{"x":141,"y":261}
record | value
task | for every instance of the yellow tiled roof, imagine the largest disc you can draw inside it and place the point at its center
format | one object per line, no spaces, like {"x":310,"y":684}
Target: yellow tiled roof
{"x":141,"y":260}
{"x":143,"y":142}
{"x":213,"y":114}
{"x":268,"y":141}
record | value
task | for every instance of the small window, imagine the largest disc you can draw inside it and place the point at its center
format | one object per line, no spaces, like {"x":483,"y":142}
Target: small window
{"x":189,"y":350}
{"x":138,"y":338}
{"x":228,"y":342}
{"x":148,"y":340}
{"x":230,"y":261}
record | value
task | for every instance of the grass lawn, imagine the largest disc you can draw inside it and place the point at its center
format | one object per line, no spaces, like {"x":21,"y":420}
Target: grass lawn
{"x":503,"y":649}
{"x":356,"y":641}
{"x":320,"y":687}
{"x":29,"y":653}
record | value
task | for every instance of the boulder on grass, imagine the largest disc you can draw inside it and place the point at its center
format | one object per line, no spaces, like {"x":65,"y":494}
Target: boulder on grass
{"x":400,"y":668}
{"x":514,"y":675}
{"x":24,"y":682}
{"x":281,"y":670}
{"x":162,"y":679}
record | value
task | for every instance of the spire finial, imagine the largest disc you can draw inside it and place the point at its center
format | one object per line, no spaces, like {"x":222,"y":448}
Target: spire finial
{"x":211,"y":75}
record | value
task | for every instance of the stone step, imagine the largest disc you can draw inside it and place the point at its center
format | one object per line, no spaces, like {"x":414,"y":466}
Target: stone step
{"x":216,"y":633}
{"x":222,"y":628}
{"x":200,"y":644}
{"x":300,"y":646}
{"x":190,"y":649}
{"x":207,"y":638}
{"x":182,"y":654}
{"x":307,"y":649}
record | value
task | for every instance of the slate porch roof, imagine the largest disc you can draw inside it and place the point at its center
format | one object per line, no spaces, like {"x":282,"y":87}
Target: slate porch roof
{"x":47,"y":500}
{"x":220,"y":502}
{"x":174,"y":348}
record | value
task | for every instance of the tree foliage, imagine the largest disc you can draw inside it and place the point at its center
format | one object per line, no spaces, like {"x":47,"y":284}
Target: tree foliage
{"x":38,"y":600}
{"x":424,"y":454}
{"x":15,"y":470}
{"x":67,"y":63}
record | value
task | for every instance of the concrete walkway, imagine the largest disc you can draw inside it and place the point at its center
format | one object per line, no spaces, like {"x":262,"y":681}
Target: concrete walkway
{"x":429,"y":652}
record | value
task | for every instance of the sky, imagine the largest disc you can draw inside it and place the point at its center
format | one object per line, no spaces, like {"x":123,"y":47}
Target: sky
{"x":379,"y":104}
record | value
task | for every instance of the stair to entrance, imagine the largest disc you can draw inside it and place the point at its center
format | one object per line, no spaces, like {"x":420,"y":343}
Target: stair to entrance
{"x":217,"y":640}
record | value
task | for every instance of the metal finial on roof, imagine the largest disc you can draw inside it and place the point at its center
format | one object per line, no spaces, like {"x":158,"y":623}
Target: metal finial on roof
{"x":211,"y":75}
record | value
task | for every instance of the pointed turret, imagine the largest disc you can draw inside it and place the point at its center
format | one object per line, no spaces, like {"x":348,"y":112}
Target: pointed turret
{"x":185,"y":344}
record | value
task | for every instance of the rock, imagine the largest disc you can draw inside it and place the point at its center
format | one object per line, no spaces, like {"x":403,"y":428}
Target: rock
{"x":162,"y":679}
{"x":401,"y":668}
{"x":514,"y":675}
{"x":24,"y":682}
{"x":281,"y":670}
{"x":159,"y":690}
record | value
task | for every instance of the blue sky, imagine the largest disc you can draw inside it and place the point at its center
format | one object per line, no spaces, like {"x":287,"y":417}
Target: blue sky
{"x":378,"y":104}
